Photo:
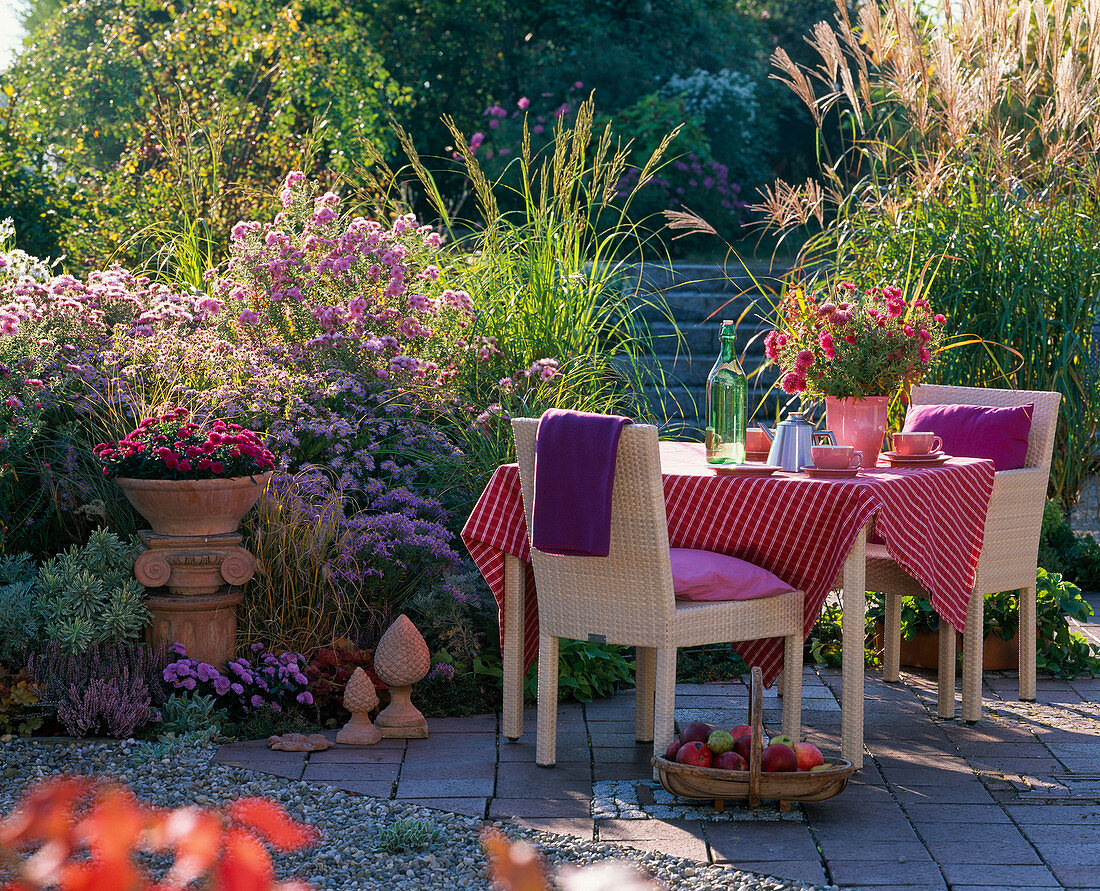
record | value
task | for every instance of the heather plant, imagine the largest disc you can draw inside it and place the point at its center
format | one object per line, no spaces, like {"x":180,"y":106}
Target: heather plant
{"x":261,"y":681}
{"x":969,"y":136}
{"x":112,"y":687}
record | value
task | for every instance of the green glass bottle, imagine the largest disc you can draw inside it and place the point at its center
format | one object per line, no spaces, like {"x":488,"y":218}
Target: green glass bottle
{"x":727,"y":404}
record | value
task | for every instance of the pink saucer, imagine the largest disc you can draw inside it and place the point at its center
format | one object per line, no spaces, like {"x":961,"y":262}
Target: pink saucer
{"x":749,"y":469}
{"x":830,"y":473}
{"x":933,"y":459}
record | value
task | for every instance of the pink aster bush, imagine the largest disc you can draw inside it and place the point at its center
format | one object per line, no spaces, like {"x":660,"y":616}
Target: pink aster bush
{"x":256,"y":682}
{"x":844,"y":343}
{"x":338,"y":284}
{"x":170,"y":447}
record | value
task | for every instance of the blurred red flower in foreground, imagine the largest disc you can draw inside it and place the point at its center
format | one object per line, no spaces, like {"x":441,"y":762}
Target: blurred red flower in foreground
{"x":82,"y":834}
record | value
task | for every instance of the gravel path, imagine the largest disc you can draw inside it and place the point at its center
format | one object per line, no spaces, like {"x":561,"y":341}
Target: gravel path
{"x":347,"y":857}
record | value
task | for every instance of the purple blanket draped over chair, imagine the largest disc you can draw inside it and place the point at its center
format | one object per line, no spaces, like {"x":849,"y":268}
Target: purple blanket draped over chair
{"x":574,"y":476}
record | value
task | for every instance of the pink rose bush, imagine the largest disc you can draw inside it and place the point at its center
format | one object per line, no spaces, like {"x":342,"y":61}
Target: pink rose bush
{"x":845,"y":343}
{"x":170,"y":447}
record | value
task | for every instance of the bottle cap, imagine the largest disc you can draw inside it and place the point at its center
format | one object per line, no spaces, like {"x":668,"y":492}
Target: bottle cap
{"x":727,"y":322}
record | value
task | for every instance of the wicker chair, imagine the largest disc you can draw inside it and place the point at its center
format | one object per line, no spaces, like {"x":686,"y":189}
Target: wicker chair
{"x":627,"y":598}
{"x":1008,"y":561}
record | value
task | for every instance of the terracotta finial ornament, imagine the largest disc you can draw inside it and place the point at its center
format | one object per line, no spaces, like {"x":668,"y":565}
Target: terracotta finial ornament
{"x":360,"y":698}
{"x":400,"y":660}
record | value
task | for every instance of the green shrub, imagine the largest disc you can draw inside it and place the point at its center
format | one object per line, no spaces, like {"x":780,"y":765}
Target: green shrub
{"x":408,"y":834}
{"x":1061,"y":651}
{"x":20,"y":620}
{"x":1076,"y":557}
{"x":193,"y":717}
{"x":88,"y":595}
{"x":586,"y":671}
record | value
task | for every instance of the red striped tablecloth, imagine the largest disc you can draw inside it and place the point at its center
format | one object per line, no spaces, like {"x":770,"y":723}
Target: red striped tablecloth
{"x":932,"y":520}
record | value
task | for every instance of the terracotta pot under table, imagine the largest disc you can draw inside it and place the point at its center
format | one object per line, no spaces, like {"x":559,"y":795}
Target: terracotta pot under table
{"x":923,"y":651}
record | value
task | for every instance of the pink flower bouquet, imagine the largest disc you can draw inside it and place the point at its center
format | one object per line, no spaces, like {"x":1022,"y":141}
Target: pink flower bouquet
{"x":847,"y":344}
{"x":169,"y":447}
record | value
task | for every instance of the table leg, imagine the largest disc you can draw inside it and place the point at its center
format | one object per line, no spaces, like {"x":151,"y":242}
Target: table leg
{"x":512,"y":646}
{"x":852,"y":642}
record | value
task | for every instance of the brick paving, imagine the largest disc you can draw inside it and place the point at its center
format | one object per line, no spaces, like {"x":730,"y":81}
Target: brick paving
{"x":1012,"y":801}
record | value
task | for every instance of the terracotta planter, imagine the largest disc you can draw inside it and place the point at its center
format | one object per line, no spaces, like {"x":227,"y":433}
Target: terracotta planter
{"x":859,"y":423}
{"x":923,"y":651}
{"x":194,"y":507}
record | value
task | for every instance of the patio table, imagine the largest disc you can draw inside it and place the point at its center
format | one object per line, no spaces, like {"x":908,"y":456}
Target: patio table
{"x":805,"y":531}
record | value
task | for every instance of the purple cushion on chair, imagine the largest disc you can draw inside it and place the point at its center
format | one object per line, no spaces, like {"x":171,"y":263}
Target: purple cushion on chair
{"x":708,"y":575}
{"x":977,"y":431}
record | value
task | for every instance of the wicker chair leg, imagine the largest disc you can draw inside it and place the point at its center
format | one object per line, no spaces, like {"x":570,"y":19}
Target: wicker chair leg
{"x":664,"y":707}
{"x":791,"y":686}
{"x":546,"y":744}
{"x":945,"y":692}
{"x":645,"y":669}
{"x":514,"y":597}
{"x":1028,"y":631}
{"x":891,"y":639}
{"x":972,"y":658}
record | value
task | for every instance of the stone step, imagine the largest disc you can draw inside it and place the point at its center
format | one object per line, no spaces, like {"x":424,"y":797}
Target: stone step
{"x":732,"y":278}
{"x":701,"y":338}
{"x":709,"y":307}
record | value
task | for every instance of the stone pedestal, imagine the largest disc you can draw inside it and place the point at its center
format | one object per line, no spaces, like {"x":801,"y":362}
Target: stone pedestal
{"x":198,"y":578}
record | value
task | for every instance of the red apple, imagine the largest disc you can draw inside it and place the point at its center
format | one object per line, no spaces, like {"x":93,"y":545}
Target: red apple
{"x":742,"y":745}
{"x":741,"y":730}
{"x":809,"y":756}
{"x":696,"y":731}
{"x":673,"y":747}
{"x":694,"y":753}
{"x":729,"y":761}
{"x":778,"y":757}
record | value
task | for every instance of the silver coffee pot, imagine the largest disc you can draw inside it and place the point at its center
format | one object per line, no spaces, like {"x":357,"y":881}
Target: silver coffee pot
{"x":791,"y":441}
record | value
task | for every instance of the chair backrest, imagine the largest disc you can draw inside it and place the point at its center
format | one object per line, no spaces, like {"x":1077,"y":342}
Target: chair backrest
{"x":626,"y":596}
{"x":1044,"y":418}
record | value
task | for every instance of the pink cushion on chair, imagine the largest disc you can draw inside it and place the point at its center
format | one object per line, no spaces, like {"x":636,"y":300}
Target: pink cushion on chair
{"x":708,"y":575}
{"x":977,"y":431}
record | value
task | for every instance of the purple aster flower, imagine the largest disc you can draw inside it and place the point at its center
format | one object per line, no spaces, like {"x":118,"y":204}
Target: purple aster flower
{"x":305,"y":697}
{"x":256,"y":700}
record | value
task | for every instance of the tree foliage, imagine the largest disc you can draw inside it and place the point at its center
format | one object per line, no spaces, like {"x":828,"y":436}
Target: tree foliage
{"x":166,"y":108}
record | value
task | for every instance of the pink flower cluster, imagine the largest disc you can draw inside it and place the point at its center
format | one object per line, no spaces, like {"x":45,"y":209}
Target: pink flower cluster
{"x":847,"y":343}
{"x":169,"y":447}
{"x":261,"y":681}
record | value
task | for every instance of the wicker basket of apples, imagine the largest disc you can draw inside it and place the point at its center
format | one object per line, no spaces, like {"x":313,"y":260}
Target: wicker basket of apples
{"x":742,"y":765}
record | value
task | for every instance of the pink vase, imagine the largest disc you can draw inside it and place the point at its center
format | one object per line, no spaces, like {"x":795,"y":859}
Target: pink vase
{"x":859,"y":423}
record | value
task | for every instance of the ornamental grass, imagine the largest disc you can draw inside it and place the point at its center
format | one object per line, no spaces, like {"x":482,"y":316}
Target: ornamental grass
{"x":970,"y":141}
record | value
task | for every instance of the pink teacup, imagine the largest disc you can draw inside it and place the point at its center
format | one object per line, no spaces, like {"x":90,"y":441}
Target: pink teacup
{"x":756,"y":440}
{"x":916,"y":443}
{"x":835,"y":457}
